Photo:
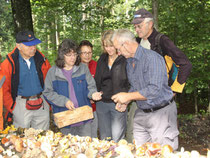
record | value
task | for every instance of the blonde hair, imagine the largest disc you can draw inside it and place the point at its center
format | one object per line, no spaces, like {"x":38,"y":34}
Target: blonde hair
{"x":106,"y":37}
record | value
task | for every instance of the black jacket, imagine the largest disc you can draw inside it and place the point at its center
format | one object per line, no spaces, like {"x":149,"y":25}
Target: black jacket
{"x":172,"y":54}
{"x":111,"y":81}
{"x":170,"y":49}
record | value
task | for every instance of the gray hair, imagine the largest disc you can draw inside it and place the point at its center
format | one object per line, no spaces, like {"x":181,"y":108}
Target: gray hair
{"x":123,"y":35}
{"x":146,"y":20}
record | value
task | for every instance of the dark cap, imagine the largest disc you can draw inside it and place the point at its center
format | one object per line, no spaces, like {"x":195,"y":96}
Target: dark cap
{"x":140,"y":15}
{"x":27,"y":38}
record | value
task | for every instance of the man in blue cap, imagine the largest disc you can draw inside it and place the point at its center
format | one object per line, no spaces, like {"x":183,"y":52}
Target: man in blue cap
{"x":25,"y":69}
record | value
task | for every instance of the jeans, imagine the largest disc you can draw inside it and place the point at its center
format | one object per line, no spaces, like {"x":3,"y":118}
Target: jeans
{"x":82,"y":130}
{"x":94,"y":126}
{"x":111,"y":123}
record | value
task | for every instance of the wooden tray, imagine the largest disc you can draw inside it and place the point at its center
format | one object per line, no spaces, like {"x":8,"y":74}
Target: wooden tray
{"x":69,"y":117}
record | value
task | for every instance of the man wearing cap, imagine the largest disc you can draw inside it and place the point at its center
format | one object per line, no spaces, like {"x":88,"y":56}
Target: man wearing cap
{"x":144,"y":25}
{"x":156,"y":116}
{"x":25,"y":69}
{"x":177,"y":64}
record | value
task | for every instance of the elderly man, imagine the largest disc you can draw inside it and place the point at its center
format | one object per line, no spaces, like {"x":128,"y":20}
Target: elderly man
{"x":177,"y":64}
{"x":25,"y":69}
{"x":156,"y":116}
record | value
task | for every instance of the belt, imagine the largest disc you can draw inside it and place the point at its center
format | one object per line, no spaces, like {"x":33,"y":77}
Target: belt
{"x":32,"y":97}
{"x":157,"y":108}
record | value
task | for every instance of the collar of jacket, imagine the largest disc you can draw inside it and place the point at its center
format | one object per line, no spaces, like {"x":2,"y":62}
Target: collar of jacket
{"x":105,"y":57}
{"x":14,"y":55}
{"x":153,"y":35}
{"x":59,"y":73}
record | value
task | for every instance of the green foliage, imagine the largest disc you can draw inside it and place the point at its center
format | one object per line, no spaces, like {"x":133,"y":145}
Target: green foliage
{"x":186,"y":22}
{"x":186,"y":117}
{"x":6,"y":28}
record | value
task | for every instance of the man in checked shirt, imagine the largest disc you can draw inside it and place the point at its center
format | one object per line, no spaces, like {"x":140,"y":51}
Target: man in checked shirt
{"x":156,"y":116}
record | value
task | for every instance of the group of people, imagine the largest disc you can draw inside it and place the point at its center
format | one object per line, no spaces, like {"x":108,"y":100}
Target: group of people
{"x":131,"y":72}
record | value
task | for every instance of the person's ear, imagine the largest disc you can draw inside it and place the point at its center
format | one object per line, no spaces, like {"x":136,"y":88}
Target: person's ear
{"x":18,"y":45}
{"x":150,"y":24}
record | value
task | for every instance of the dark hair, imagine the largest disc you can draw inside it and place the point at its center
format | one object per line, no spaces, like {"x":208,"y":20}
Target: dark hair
{"x":84,"y":43}
{"x":65,"y":47}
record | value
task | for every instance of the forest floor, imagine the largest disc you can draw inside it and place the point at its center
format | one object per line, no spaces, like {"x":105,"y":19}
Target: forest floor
{"x":194,"y":132}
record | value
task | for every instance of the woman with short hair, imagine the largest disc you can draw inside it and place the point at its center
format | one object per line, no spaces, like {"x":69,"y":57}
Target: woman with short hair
{"x":69,"y":85}
{"x":86,"y":53}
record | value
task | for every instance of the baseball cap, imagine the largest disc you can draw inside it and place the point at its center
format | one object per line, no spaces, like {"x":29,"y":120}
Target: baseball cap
{"x":27,"y":38}
{"x":140,"y":15}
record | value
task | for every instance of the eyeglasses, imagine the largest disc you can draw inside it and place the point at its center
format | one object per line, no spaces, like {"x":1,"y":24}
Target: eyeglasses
{"x":86,"y":53}
{"x":139,"y":26}
{"x":71,"y":55}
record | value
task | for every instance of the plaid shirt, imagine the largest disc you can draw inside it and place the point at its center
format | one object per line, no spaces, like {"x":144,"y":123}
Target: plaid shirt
{"x":149,"y":78}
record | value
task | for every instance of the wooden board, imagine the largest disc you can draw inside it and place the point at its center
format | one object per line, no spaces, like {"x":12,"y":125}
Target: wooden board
{"x":69,"y":117}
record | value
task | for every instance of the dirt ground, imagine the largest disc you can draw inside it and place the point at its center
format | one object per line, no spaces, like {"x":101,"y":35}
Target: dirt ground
{"x":194,"y":133}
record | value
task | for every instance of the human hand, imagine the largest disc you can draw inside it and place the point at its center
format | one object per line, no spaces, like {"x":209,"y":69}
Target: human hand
{"x":97,"y":96}
{"x":121,"y":107}
{"x":121,"y":98}
{"x":70,"y":105}
{"x":91,"y":101}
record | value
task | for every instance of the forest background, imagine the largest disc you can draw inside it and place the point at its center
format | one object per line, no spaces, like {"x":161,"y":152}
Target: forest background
{"x":186,"y":22}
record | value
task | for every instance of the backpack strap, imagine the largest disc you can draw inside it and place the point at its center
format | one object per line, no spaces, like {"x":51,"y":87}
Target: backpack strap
{"x":160,"y":51}
{"x":157,"y":44}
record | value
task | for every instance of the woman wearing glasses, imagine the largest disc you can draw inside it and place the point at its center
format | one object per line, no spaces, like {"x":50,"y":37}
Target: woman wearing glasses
{"x":69,"y":85}
{"x":86,"y":52}
{"x":110,"y":78}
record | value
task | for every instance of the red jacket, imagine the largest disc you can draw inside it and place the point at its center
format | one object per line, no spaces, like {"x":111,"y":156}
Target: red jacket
{"x":10,"y":69}
{"x":92,"y":67}
{"x":1,"y":105}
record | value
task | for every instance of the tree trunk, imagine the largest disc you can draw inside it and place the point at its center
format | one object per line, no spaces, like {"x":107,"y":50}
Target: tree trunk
{"x":102,"y":20}
{"x":57,"y":33}
{"x":53,"y":35}
{"x":208,"y":110}
{"x":196,"y":99}
{"x":155,"y":6}
{"x":21,"y":11}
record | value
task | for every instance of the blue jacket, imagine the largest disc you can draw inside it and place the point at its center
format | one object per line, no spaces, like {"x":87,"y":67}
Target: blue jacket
{"x":57,"y":89}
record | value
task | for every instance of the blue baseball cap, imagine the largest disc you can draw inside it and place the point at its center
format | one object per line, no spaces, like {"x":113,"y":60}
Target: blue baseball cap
{"x":27,"y":38}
